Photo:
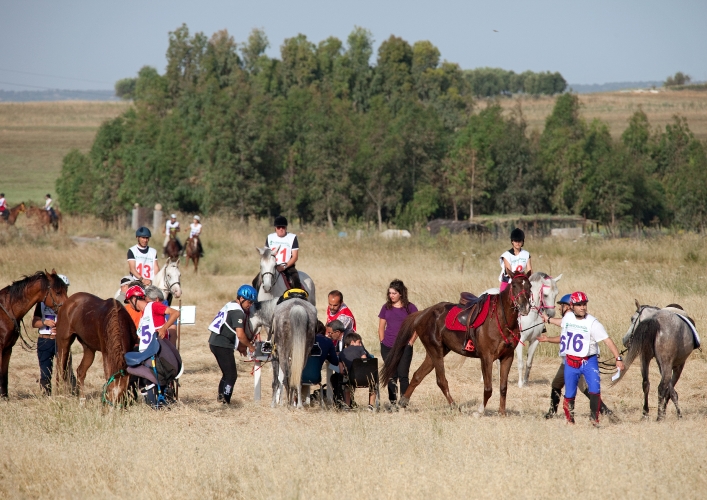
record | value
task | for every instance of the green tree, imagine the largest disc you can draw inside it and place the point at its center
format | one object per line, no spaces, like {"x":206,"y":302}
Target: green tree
{"x":125,"y":88}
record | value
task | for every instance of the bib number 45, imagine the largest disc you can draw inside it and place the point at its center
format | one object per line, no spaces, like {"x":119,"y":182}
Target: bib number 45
{"x":571,"y":342}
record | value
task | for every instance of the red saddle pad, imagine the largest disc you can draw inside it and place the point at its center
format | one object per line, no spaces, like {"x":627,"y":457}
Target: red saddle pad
{"x":452,"y":323}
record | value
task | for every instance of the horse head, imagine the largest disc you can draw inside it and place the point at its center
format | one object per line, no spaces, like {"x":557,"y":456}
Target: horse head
{"x":643,"y":312}
{"x":520,"y":291}
{"x":56,"y":291}
{"x":544,"y":292}
{"x":260,"y":316}
{"x":172,"y":277}
{"x":268,"y":267}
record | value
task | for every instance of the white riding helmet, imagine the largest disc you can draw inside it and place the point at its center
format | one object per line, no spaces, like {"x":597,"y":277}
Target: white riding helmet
{"x":64,"y":279}
{"x":173,"y":216}
{"x":196,"y":217}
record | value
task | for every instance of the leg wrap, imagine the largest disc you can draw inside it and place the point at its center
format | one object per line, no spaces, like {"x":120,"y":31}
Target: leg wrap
{"x":568,"y":406}
{"x":554,"y":402}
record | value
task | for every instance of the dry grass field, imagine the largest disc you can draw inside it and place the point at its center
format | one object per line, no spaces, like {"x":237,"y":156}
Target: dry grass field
{"x":58,"y":448}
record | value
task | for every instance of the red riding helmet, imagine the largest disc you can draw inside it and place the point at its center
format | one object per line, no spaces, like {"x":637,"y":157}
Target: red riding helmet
{"x":134,"y":291}
{"x":578,"y":297}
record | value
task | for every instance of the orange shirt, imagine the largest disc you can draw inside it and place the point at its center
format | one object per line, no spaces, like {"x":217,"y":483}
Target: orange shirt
{"x":135,"y":315}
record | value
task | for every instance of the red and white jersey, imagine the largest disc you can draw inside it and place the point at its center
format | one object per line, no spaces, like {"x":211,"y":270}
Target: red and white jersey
{"x":151,"y":320}
{"x":344,"y":315}
{"x":3,"y":205}
{"x":194,"y":230}
{"x":519,"y":263}
{"x":144,"y":262}
{"x":283,"y":246}
{"x":579,"y":337}
{"x":47,"y":314}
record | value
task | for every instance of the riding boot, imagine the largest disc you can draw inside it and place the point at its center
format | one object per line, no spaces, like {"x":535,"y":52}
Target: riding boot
{"x":220,"y":398}
{"x":227,"y":393}
{"x":594,"y":407}
{"x":46,"y":386}
{"x":554,"y":402}
{"x":568,"y":406}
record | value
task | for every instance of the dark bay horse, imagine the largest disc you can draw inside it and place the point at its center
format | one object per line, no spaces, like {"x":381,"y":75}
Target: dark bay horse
{"x":495,"y":339}
{"x":13,"y":213}
{"x":173,"y":249}
{"x":99,"y":325}
{"x":192,"y":251}
{"x":16,"y":300}
{"x":663,"y":334}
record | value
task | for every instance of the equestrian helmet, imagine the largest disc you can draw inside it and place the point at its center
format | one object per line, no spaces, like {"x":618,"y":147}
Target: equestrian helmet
{"x":517,"y":235}
{"x":578,"y":297}
{"x":173,"y":216}
{"x":143,"y":232}
{"x":247,"y":292}
{"x":134,"y":291}
{"x":64,"y":279}
{"x":565,"y":299}
{"x":197,"y":218}
{"x":280,"y":221}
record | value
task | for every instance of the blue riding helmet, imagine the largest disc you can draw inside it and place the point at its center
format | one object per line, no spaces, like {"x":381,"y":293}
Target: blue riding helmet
{"x":143,"y":232}
{"x":248,"y":293}
{"x":565,"y":299}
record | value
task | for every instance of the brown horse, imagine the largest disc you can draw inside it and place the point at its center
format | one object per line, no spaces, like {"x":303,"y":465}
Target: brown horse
{"x":173,"y":249}
{"x":193,"y":253}
{"x":16,"y":300}
{"x":99,"y":325}
{"x":495,"y":339}
{"x":45,"y":220}
{"x":13,"y":213}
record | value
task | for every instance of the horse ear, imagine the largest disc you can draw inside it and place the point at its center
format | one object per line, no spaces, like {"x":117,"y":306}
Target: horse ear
{"x":53,"y":271}
{"x":261,"y":251}
{"x":177,"y":261}
{"x":638,"y":306}
{"x":558,"y":278}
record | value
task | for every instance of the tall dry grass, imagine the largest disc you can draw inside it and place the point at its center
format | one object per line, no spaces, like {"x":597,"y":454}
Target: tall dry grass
{"x":57,"y":447}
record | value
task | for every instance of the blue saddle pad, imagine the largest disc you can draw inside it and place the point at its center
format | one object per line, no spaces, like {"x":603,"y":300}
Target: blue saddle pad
{"x":136,"y":358}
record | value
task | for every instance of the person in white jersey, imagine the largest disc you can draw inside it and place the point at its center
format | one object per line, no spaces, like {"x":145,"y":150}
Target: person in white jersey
{"x":171,"y":225}
{"x":153,"y":321}
{"x":195,"y":231}
{"x":228,"y":335}
{"x":287,"y":248}
{"x":579,"y":337}
{"x":4,"y":212}
{"x":48,"y":206}
{"x":142,"y":260}
{"x":44,"y":319}
{"x":515,"y":260}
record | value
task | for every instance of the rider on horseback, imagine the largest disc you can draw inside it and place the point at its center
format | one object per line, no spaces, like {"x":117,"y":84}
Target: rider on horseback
{"x":195,"y":232}
{"x":287,"y":249}
{"x":172,"y":225}
{"x":515,"y":260}
{"x":142,"y":260}
{"x":4,"y":212}
{"x":49,"y":208}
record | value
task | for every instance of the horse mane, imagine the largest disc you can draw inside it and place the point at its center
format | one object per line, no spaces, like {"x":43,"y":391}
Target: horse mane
{"x":16,"y":290}
{"x":539,"y":276}
{"x":642,"y":343}
{"x":118,"y":329}
{"x":407,"y":330}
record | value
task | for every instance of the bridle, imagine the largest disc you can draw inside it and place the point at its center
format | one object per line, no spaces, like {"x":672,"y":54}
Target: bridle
{"x":167,"y":282}
{"x":523,"y":292}
{"x":541,"y":303}
{"x":56,"y":305}
{"x":634,"y":325}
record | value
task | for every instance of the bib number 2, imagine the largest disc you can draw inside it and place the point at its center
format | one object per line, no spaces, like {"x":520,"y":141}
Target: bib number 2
{"x":218,"y":320}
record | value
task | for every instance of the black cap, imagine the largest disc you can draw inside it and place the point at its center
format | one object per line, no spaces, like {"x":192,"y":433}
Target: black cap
{"x":517,"y":235}
{"x":280,"y":221}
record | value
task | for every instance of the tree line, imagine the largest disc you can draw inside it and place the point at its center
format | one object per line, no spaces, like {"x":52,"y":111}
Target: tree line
{"x":323,"y":135}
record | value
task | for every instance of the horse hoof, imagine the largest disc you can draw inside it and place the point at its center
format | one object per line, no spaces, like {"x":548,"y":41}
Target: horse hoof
{"x":476,"y":414}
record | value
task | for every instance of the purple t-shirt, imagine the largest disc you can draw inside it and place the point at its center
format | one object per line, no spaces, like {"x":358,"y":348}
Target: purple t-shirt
{"x":394,"y":318}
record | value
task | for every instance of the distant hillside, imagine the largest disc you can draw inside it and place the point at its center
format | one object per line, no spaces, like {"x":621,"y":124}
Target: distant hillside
{"x":580,"y":88}
{"x":57,"y":95}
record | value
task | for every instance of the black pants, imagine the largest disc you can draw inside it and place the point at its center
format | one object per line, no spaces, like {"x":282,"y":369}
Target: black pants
{"x":226,"y":359}
{"x":337,"y":386}
{"x":293,"y":277}
{"x":46,"y":350}
{"x":402,"y":373}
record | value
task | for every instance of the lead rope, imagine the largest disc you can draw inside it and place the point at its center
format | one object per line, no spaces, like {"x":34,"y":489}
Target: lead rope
{"x":111,"y":379}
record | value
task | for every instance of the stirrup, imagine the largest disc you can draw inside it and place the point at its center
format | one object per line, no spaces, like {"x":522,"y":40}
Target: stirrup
{"x":469,"y":346}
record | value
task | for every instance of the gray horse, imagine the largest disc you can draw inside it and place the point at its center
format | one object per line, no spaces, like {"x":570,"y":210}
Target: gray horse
{"x":271,"y":283}
{"x":669,"y":337}
{"x":293,"y":330}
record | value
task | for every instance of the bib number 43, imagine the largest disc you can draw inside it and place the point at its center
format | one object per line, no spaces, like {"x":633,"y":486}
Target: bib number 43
{"x":145,"y":270}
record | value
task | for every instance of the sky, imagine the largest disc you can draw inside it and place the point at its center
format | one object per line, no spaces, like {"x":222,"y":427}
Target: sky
{"x":82,"y":45}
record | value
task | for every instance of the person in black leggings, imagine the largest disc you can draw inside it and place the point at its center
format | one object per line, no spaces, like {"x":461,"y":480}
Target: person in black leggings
{"x":227,"y":335}
{"x":391,"y":317}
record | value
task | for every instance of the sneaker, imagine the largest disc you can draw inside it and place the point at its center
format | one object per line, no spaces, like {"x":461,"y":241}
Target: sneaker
{"x":371,"y":408}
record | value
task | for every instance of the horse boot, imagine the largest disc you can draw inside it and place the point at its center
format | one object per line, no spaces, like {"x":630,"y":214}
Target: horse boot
{"x":594,"y":407}
{"x":554,"y":402}
{"x":568,"y":406}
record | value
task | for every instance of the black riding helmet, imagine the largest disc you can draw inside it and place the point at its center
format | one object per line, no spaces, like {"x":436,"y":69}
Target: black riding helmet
{"x":518,"y":235}
{"x":143,"y":232}
{"x":280,"y":221}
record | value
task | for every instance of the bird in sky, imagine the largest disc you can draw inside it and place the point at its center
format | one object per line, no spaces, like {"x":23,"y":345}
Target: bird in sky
{"x":495,"y":31}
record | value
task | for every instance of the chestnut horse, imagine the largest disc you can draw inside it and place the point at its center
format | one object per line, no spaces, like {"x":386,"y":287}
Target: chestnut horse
{"x":45,"y":219}
{"x":172,"y":250}
{"x":100,"y":325}
{"x":13,"y":213}
{"x":192,"y":251}
{"x":16,"y":300}
{"x":495,"y":339}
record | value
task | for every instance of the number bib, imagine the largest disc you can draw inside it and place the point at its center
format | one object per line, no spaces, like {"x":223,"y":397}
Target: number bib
{"x":47,"y":313}
{"x":575,"y":338}
{"x":220,"y":318}
{"x":519,"y":263}
{"x":283,"y":246}
{"x":146,"y":328}
{"x":145,"y":262}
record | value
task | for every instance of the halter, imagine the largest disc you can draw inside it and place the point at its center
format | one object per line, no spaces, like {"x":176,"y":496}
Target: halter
{"x":514,"y":299}
{"x":168,"y":284}
{"x":274,"y":279}
{"x":541,"y":303}
{"x":57,"y":305}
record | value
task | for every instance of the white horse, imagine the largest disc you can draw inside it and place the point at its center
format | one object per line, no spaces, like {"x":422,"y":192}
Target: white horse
{"x":168,"y":279}
{"x":543,"y":289}
{"x":272,"y":284}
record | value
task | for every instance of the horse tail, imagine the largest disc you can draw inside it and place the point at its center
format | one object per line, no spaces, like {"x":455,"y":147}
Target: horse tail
{"x":116,"y":335}
{"x":642,"y":344}
{"x":407,"y":330}
{"x":298,"y":330}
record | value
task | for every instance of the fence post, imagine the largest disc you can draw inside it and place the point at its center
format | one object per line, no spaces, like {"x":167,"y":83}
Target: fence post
{"x":157,"y":218}
{"x":136,"y":217}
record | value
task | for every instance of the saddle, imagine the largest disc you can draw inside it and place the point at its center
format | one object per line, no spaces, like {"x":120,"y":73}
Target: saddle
{"x":469,"y":314}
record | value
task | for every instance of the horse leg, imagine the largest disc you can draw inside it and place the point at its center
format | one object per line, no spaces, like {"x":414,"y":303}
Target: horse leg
{"x":86,"y":362}
{"x":4,"y":367}
{"x":677,"y":371}
{"x":487,"y":373}
{"x":438,"y":363}
{"x":519,"y":356}
{"x":505,"y":370}
{"x":646,"y":384}
{"x":529,"y":362}
{"x":424,"y":369}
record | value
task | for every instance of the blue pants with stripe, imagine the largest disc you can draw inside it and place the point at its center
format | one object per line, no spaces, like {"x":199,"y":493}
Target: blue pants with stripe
{"x":590,"y":370}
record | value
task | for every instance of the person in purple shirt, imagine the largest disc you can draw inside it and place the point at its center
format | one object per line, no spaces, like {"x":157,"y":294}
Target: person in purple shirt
{"x":392,"y":315}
